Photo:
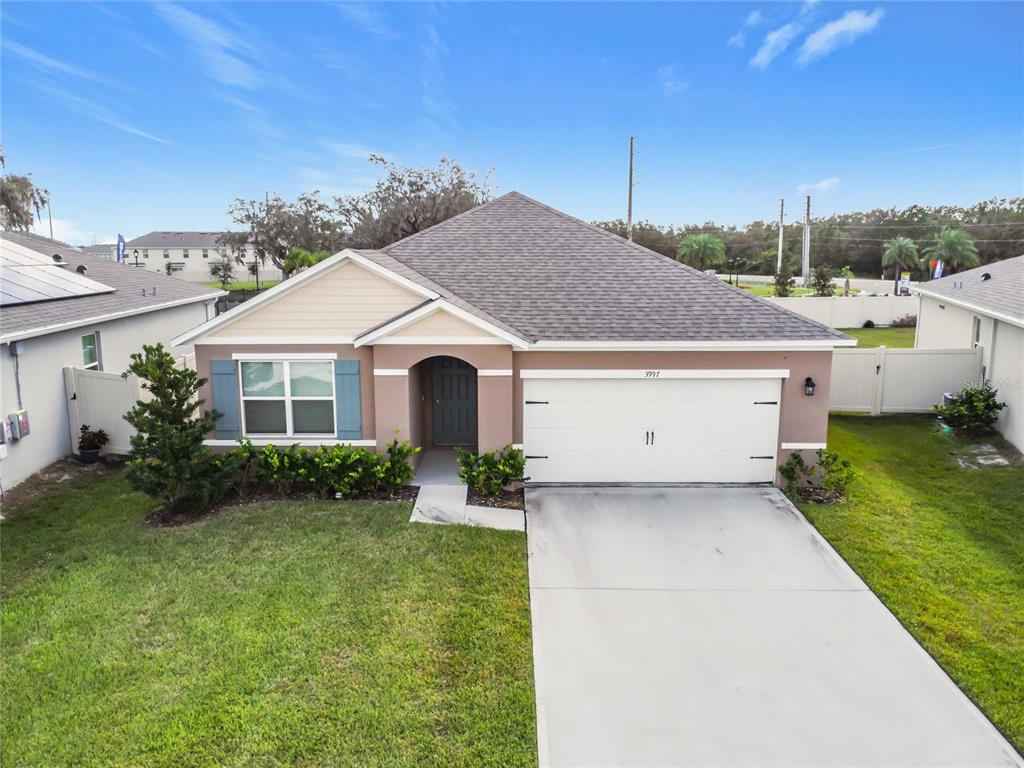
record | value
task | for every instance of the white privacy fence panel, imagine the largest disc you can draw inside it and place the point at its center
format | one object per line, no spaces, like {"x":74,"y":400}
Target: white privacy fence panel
{"x":899,"y":380}
{"x":101,"y":399}
{"x":850,"y":311}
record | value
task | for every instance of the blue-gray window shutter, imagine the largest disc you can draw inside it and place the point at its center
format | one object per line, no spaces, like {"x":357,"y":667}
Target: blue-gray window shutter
{"x":348,"y":412}
{"x":224,"y":385}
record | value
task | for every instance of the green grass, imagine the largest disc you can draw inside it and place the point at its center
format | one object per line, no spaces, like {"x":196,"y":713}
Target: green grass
{"x":893,"y":338}
{"x":943,"y":547}
{"x":273,"y":633}
{"x":243,"y":285}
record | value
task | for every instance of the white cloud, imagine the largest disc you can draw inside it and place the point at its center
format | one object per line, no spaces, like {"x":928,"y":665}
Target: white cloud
{"x":367,"y":20}
{"x":774,"y":43}
{"x":819,"y":187}
{"x":69,"y":231}
{"x":807,"y":7}
{"x":671,"y":83}
{"x":222,"y":51}
{"x":54,"y":66}
{"x":835,"y":34}
{"x":915,"y":150}
{"x":740,"y":38}
{"x":98,"y":112}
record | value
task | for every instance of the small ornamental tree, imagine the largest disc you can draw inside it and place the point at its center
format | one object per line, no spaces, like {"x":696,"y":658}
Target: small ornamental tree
{"x":224,"y":271}
{"x":782,"y":282}
{"x":168,"y":460}
{"x":821,"y":281}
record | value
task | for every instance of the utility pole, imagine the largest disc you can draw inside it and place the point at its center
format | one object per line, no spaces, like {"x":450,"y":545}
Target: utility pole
{"x":806,"y":260}
{"x":782,"y":226}
{"x":49,"y":212}
{"x":629,"y":203}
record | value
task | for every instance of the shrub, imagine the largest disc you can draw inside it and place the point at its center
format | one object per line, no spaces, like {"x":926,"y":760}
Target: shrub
{"x":489,"y":472}
{"x":907,"y":321}
{"x":397,"y":470}
{"x":972,"y":409}
{"x":338,"y":470}
{"x":835,"y":473}
{"x":168,"y":460}
{"x":281,"y":468}
{"x":243,"y":464}
{"x":782,"y":281}
{"x":821,"y":281}
{"x":793,"y":472}
{"x":868,"y":324}
{"x":91,"y":439}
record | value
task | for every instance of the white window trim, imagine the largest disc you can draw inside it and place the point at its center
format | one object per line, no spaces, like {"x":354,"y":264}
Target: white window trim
{"x":312,"y":442}
{"x":288,"y":398}
{"x":655,"y":373}
{"x":494,"y":372}
{"x":270,"y":357}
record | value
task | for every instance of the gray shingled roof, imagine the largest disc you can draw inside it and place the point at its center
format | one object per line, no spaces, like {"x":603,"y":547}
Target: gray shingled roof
{"x":167,"y":239}
{"x":1002,"y":292}
{"x":548,"y":276}
{"x":130,"y":283}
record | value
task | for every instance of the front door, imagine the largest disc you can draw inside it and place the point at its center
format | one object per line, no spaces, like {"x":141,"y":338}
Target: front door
{"x":454,"y":402}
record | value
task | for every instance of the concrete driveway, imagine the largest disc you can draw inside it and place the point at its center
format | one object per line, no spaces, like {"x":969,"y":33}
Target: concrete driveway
{"x":715,"y":627}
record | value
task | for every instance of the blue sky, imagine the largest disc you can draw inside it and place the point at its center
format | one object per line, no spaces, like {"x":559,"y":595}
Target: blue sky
{"x":144,"y":116}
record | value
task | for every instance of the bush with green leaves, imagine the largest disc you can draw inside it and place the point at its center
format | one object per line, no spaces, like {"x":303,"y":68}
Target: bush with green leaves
{"x":783,"y":282}
{"x":973,"y":409}
{"x":821,"y":281}
{"x":831,"y":472}
{"x":489,"y":472}
{"x":907,"y":321}
{"x":168,"y":460}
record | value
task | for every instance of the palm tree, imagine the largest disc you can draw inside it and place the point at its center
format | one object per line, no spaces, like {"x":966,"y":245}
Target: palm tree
{"x":900,"y":252}
{"x":954,"y":248}
{"x":701,"y":251}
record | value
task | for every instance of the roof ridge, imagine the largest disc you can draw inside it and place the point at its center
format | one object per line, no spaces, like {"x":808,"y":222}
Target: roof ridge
{"x":457,"y":216}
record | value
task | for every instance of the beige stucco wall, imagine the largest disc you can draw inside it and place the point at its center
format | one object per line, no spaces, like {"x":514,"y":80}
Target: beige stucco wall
{"x":343,"y":302}
{"x":803,"y":419}
{"x":207,"y":352}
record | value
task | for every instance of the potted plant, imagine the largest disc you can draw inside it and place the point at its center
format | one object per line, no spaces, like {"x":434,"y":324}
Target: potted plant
{"x":89,"y":443}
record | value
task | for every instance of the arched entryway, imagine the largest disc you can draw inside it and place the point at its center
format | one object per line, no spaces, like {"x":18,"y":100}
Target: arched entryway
{"x":443,"y":400}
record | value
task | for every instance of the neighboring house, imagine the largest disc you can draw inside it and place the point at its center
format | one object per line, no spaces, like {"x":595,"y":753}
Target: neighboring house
{"x":53,"y":315}
{"x":189,"y":255}
{"x":514,"y":323}
{"x":982,"y":307}
{"x":106,"y":251}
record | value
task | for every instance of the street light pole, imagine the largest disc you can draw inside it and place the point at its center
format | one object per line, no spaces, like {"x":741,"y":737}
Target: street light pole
{"x":135,"y":253}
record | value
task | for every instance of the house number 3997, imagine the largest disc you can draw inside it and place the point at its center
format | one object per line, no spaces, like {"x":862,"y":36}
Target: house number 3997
{"x":652,"y":374}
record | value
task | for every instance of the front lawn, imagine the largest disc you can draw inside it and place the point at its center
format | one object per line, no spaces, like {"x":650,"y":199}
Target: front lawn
{"x":312,"y":633}
{"x":893,"y":338}
{"x":943,"y":547}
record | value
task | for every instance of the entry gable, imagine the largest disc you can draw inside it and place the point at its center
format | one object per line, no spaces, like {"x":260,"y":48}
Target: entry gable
{"x":334,"y":301}
{"x":439,"y":322}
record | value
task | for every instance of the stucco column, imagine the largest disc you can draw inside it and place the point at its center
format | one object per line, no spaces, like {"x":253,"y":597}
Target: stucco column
{"x":494,"y":409}
{"x":391,"y":406}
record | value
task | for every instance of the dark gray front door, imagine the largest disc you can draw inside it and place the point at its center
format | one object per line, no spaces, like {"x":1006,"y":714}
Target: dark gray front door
{"x":454,"y":402}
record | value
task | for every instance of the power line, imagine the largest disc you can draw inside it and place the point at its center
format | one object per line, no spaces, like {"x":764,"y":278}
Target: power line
{"x":885,"y":239}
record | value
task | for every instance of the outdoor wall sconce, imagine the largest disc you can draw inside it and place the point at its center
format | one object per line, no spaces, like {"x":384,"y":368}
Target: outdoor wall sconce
{"x":809,"y":386}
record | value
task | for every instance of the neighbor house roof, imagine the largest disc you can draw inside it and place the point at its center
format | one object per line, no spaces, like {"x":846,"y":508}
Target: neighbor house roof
{"x":104,"y":249}
{"x":996,"y":289}
{"x":135,"y":291}
{"x":549,"y":276}
{"x":168,"y":239}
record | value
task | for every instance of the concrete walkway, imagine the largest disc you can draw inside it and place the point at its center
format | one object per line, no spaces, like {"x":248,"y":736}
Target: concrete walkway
{"x":715,"y":627}
{"x":442,"y":498}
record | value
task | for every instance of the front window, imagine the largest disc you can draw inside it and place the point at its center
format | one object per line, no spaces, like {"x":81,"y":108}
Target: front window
{"x":145,"y":253}
{"x":91,"y":351}
{"x":206,"y":253}
{"x":288,"y":397}
{"x":184,"y":252}
{"x":167,"y":253}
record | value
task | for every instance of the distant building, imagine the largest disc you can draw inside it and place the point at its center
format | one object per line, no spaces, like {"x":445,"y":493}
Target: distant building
{"x":188,"y":255}
{"x":103,"y":250}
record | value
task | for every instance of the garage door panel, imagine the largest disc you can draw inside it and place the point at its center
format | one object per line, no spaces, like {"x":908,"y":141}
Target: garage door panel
{"x":705,"y":430}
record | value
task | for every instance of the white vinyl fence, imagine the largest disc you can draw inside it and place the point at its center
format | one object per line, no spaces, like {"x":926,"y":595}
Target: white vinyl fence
{"x":850,"y":311}
{"x":101,"y":399}
{"x":899,"y":380}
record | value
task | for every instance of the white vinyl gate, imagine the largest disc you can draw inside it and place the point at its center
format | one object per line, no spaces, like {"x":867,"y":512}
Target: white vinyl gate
{"x":676,"y":426}
{"x":101,"y":399}
{"x":899,"y":380}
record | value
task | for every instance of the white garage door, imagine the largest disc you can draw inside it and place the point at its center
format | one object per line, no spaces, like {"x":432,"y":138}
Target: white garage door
{"x":669,"y":428}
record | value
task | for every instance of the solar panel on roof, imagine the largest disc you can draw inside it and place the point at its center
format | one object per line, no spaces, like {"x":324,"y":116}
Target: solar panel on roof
{"x":27,"y":277}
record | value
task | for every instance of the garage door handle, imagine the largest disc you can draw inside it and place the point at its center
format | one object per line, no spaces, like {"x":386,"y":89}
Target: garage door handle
{"x":762,"y":457}
{"x":536,"y":402}
{"x":535,"y":457}
{"x":766,"y":402}
{"x":652,"y":437}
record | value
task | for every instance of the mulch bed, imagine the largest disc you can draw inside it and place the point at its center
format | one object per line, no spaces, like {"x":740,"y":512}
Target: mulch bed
{"x":819,"y":496}
{"x":507,"y":499}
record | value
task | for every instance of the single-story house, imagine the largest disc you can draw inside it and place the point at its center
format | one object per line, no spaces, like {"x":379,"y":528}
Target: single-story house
{"x":982,"y":307}
{"x":60,"y":307}
{"x":514,"y":323}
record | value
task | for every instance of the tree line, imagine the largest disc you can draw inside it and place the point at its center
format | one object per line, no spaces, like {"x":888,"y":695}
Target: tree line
{"x":994,"y":229}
